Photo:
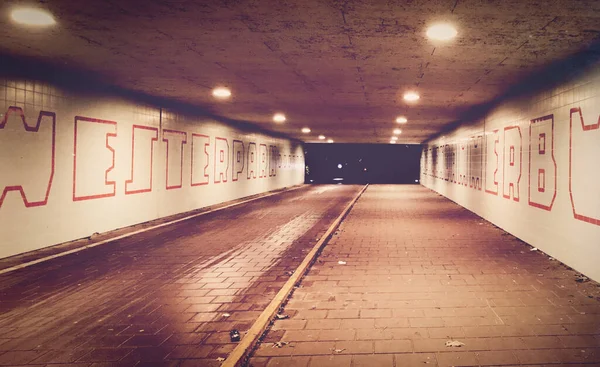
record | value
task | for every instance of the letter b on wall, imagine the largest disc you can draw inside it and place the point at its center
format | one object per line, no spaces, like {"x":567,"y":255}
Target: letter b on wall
{"x":542,"y":166}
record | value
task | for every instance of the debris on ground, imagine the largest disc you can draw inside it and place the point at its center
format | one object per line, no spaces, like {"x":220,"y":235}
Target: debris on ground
{"x":580,"y":278}
{"x":220,"y":359}
{"x":289,"y":273}
{"x":234,"y":335}
{"x":533,"y":249}
{"x":551,"y":259}
{"x":282,"y":317}
{"x":279,"y":344}
{"x":337,"y":350}
{"x":226,"y":315}
{"x":313,"y":307}
{"x":342,"y":262}
{"x":454,"y":343}
{"x":93,"y":236}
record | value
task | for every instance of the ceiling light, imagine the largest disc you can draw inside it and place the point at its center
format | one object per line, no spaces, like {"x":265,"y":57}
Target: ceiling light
{"x":411,"y":96}
{"x":441,"y":32}
{"x":397,"y":131}
{"x":305,"y":130}
{"x":32,"y":17}
{"x":221,"y":92}
{"x":321,"y":137}
{"x":394,"y":138}
{"x":392,"y":142}
{"x":330,"y":140}
{"x":279,"y":117}
{"x":401,"y":120}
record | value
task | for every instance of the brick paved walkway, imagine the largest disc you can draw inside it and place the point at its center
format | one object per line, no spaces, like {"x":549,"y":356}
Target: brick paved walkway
{"x":421,"y":271}
{"x":159,"y":297}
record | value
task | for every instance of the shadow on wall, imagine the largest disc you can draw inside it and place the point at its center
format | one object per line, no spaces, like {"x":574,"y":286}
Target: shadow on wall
{"x":362,"y":163}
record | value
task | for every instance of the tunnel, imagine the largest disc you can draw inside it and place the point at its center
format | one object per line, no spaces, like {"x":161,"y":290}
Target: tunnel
{"x":299,"y":183}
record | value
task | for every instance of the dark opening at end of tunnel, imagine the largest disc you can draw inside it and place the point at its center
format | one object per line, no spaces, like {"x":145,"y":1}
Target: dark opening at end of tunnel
{"x":362,"y":163}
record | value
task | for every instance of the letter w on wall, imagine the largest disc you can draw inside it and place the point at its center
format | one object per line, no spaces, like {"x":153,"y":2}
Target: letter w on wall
{"x":27,"y":155}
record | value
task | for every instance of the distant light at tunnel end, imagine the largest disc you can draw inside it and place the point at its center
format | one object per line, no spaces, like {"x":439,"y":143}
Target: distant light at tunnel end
{"x":279,"y":117}
{"x":32,"y":17}
{"x":441,"y":32}
{"x":411,"y":96}
{"x":221,"y":92}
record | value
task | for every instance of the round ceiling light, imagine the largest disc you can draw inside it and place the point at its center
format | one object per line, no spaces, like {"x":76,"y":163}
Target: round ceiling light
{"x":221,"y":92}
{"x":397,"y":131}
{"x":392,"y":142}
{"x":279,"y":117}
{"x":441,"y":32}
{"x":394,"y":138}
{"x":32,"y":17}
{"x":305,"y":130}
{"x":330,"y":140}
{"x":401,"y":120}
{"x":411,"y":96}
{"x":321,"y":137}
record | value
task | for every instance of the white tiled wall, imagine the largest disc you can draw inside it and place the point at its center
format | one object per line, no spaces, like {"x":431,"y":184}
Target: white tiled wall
{"x":72,"y":165}
{"x":538,"y":159}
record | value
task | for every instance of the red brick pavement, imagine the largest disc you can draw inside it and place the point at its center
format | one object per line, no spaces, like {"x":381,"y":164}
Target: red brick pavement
{"x":420,"y":271}
{"x":159,"y":297}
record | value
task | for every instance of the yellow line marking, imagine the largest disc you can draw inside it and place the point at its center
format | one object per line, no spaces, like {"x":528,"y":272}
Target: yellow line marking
{"x":260,"y":325}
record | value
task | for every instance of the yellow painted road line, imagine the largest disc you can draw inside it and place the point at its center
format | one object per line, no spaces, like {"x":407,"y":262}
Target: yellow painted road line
{"x":236,"y":357}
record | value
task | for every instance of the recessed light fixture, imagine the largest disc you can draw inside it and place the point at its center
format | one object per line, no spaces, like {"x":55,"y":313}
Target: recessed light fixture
{"x":394,"y":138}
{"x":330,"y":140}
{"x":321,"y":137}
{"x":221,"y":93}
{"x":32,"y":17}
{"x":397,"y":131}
{"x":306,"y":130}
{"x":441,"y":32}
{"x":411,"y":96}
{"x":279,"y":117}
{"x":401,"y":120}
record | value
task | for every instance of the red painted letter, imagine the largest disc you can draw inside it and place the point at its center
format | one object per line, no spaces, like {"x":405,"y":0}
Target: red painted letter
{"x":542,"y":166}
{"x":174,"y":140}
{"x":583,"y":164}
{"x":27,"y":156}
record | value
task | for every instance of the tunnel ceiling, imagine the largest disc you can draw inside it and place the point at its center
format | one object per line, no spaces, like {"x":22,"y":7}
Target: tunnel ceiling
{"x":338,"y":67}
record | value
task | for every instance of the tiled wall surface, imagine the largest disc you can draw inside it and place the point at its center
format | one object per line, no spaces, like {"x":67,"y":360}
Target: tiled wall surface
{"x":72,"y":165}
{"x":532,"y":167}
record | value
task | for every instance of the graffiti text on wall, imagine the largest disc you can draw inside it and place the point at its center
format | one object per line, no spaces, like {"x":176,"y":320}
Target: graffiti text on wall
{"x":28,"y":150}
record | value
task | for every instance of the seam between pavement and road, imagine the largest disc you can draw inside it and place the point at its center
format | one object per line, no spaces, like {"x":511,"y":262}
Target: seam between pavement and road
{"x":241,"y":351}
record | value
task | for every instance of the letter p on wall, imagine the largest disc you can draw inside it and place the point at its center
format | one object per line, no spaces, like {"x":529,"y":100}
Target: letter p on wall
{"x":27,"y":156}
